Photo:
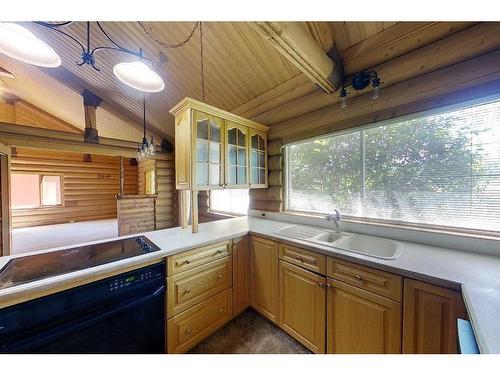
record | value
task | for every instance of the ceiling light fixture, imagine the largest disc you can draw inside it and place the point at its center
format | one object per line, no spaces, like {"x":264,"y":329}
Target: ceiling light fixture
{"x":146,"y":149}
{"x":360,"y":81}
{"x":18,"y":42}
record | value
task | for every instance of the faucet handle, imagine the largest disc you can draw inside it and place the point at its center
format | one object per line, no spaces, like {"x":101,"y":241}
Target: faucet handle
{"x":338,"y":215}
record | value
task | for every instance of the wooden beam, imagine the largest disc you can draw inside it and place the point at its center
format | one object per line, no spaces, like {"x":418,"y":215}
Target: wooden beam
{"x":295,"y":42}
{"x":25,"y":136}
{"x":472,"y":72}
{"x":461,"y":46}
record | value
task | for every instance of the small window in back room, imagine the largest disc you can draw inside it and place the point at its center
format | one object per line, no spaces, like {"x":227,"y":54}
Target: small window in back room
{"x":230,"y":201}
{"x":51,"y":190}
{"x":25,"y":190}
{"x":35,"y":190}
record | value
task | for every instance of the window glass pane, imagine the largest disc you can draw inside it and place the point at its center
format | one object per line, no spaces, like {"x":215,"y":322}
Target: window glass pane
{"x":25,"y":190}
{"x":231,"y":136}
{"x":242,"y":157}
{"x":214,"y":132}
{"x":214,"y":152}
{"x":214,"y":174}
{"x":230,"y":200}
{"x":202,"y":129}
{"x":441,"y":169}
{"x":202,"y":150}
{"x":241,"y":138}
{"x":51,"y":190}
{"x":201,"y":174}
{"x":242,"y":175}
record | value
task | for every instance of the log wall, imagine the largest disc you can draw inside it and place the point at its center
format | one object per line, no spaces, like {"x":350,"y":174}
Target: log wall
{"x":90,"y":185}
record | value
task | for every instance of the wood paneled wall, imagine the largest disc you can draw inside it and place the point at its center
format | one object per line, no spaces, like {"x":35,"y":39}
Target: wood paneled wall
{"x":166,"y":202}
{"x":136,"y":214}
{"x":89,"y":187}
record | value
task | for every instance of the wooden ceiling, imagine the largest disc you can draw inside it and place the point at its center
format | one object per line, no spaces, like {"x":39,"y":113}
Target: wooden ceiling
{"x":243,"y":72}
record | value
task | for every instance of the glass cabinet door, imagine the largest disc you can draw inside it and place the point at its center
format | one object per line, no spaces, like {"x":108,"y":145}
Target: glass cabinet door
{"x":258,"y":156}
{"x":208,"y":153}
{"x":237,"y":155}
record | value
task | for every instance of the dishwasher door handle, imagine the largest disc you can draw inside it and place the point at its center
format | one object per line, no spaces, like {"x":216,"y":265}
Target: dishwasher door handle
{"x":94,"y":316}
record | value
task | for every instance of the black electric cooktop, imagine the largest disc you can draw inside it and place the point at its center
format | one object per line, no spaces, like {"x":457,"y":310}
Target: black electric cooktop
{"x":35,"y":267}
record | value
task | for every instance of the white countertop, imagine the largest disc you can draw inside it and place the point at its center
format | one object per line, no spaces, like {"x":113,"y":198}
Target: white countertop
{"x":478,"y":274}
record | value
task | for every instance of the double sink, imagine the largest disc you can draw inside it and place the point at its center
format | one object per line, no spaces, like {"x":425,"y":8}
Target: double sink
{"x":357,"y":243}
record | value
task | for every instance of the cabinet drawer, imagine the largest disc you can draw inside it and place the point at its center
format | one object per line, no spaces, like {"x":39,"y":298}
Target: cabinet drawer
{"x":190,"y":259}
{"x":303,"y":258}
{"x":193,"y":325}
{"x":193,"y":286}
{"x":379,"y":282}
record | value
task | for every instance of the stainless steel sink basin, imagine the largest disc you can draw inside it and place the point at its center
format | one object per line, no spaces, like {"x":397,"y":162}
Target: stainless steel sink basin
{"x":357,"y":243}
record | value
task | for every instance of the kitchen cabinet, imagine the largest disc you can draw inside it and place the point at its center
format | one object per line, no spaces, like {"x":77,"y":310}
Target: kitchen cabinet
{"x":215,"y":149}
{"x":241,"y":274}
{"x":258,"y":159}
{"x":264,"y":277}
{"x":237,"y":141}
{"x":361,"y":322}
{"x":430,"y":318}
{"x":302,"y":300}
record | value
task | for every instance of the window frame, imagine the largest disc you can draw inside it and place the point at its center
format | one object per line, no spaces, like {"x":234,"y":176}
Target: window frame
{"x":476,"y":233}
{"x":40,"y":191}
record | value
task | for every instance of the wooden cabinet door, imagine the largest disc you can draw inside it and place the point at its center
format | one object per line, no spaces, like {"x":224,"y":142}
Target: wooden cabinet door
{"x":258,"y":159}
{"x":208,"y":156}
{"x":241,"y":275}
{"x":264,"y":276}
{"x":430,"y":318}
{"x":237,"y":141}
{"x":302,"y":300}
{"x":360,"y":322}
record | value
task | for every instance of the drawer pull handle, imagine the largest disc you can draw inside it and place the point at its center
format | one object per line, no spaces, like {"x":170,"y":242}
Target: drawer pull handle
{"x":299,"y":258}
{"x":321,"y":285}
{"x":187,"y":261}
{"x":187,"y":291}
{"x":188,"y":331}
{"x":358,"y":277}
{"x":328,"y":285}
{"x":219,"y":276}
{"x":221,"y":310}
{"x":219,"y":251}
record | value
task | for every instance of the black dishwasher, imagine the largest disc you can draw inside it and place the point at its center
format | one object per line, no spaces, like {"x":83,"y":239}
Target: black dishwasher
{"x":121,"y":314}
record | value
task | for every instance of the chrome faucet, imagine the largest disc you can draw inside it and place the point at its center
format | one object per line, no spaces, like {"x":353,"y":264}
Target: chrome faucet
{"x":336,"y":218}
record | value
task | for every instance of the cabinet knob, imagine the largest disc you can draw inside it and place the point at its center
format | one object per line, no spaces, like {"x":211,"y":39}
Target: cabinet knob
{"x":328,"y":285}
{"x":188,"y":331}
{"x":187,"y":291}
{"x":219,"y":251}
{"x":187,"y":261}
{"x":358,"y":277}
{"x":221,"y":310}
{"x":219,"y":276}
{"x":298,"y":257}
{"x":321,"y":285}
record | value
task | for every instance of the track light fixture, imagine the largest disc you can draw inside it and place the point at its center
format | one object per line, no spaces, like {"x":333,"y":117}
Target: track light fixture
{"x":360,"y":81}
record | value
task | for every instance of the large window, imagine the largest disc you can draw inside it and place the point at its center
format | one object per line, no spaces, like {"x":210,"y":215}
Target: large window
{"x":35,"y":190}
{"x":440,"y":168}
{"x":229,"y":201}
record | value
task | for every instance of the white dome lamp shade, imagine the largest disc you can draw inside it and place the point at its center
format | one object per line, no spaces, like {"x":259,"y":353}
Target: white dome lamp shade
{"x":139,"y":76}
{"x":18,"y":42}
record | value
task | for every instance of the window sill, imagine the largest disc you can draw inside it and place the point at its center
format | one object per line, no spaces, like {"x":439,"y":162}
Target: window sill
{"x":406,"y":226}
{"x":442,"y":238}
{"x":223,"y":215}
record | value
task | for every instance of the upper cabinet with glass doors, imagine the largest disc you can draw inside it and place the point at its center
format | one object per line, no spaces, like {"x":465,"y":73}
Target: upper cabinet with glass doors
{"x":215,"y":149}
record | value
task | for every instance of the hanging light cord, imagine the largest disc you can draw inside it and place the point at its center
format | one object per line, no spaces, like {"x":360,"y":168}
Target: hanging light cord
{"x":149,"y":33}
{"x":201,"y":63}
{"x":144,"y":114}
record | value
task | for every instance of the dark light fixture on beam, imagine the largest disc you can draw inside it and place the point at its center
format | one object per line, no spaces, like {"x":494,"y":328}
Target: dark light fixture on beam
{"x":360,"y":81}
{"x":20,"y":43}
